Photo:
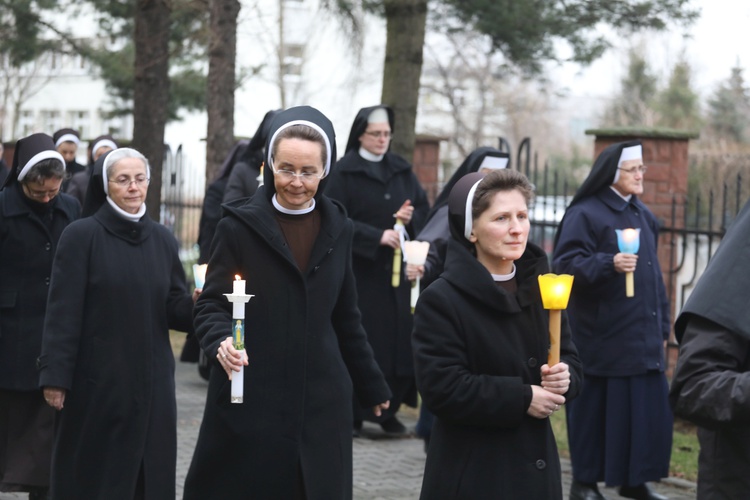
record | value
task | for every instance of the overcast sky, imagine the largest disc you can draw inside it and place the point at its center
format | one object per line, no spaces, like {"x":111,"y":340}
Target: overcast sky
{"x":714,"y":44}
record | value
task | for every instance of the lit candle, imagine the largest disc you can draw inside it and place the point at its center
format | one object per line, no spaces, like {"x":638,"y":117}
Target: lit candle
{"x":415,"y":253}
{"x":238,"y":298}
{"x":239,"y":286}
{"x":628,"y":241}
{"x":555,"y":290}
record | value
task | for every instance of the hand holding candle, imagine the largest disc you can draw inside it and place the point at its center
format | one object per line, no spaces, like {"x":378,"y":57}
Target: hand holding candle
{"x":628,"y":241}
{"x":415,"y":252}
{"x":238,"y":298}
{"x":555,"y":291}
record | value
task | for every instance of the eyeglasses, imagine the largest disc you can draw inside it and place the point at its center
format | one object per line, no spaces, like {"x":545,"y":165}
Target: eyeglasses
{"x":379,"y":134}
{"x":641,"y":169}
{"x":289,"y":175}
{"x":125,"y":182}
{"x":40,"y":195}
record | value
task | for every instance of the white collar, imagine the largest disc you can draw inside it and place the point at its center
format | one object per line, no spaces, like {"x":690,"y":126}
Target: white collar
{"x":505,"y":277}
{"x":626,"y":198}
{"x":369,"y":156}
{"x":287,"y":211}
{"x":127,"y":215}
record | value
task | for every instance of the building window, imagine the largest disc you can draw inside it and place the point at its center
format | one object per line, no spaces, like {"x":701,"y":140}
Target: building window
{"x":26,"y":123}
{"x":294,"y":56}
{"x":80,"y":121}
{"x":51,"y":121}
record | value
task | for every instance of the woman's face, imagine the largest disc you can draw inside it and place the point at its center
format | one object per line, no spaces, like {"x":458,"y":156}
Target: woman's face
{"x":501,"y":232}
{"x":298,"y":156}
{"x":128,"y":184}
{"x":68,"y":151}
{"x":376,"y":138}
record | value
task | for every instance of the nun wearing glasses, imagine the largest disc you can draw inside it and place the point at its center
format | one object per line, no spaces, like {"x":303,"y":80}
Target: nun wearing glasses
{"x":307,"y":352}
{"x":378,"y":187}
{"x":33,"y":215}
{"x":107,"y":365}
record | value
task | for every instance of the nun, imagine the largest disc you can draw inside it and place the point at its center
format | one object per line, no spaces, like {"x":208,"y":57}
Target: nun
{"x":67,"y":141}
{"x":620,"y":428}
{"x":437,"y":233}
{"x":710,"y":383}
{"x":244,"y":174}
{"x":377,"y":188}
{"x":79,"y":182}
{"x":33,"y":215}
{"x":107,"y":365}
{"x":481,"y":339}
{"x":306,"y":349}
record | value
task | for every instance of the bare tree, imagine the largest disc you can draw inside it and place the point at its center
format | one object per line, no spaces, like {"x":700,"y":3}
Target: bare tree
{"x":19,"y":84}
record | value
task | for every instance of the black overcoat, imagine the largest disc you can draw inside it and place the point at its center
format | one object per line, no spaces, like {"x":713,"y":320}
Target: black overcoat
{"x":306,"y":350}
{"x":477,"y":350}
{"x":27,"y":247}
{"x":371,"y":198}
{"x":117,"y":288}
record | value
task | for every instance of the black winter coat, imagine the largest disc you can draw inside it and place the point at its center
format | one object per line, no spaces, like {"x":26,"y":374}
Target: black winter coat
{"x":371,"y":198}
{"x":477,"y":350}
{"x":711,"y":387}
{"x":27,"y":247}
{"x":306,"y":350}
{"x":117,"y":288}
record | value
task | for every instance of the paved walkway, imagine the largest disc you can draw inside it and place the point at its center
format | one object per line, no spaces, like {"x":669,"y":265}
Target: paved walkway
{"x":384,"y":468}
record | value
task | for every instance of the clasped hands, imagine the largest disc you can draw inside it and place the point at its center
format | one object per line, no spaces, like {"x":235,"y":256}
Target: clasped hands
{"x":548,"y":397}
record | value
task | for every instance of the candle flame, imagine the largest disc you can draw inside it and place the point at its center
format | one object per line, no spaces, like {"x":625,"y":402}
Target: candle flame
{"x":237,"y":277}
{"x":629,"y":235}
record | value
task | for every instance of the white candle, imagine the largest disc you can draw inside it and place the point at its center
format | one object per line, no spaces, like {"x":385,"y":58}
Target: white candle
{"x":239,"y":286}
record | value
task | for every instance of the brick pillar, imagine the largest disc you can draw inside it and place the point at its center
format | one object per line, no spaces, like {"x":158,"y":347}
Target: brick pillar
{"x":665,"y":153}
{"x":426,"y":162}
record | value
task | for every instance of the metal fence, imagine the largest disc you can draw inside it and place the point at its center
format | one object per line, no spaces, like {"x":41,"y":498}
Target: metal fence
{"x":181,"y":201}
{"x":691,"y":233}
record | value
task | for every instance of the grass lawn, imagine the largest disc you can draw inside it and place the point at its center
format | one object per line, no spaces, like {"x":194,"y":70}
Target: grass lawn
{"x":684,"y":446}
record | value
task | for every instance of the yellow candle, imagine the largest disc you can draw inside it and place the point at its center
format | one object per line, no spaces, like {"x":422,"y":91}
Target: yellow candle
{"x":555,"y":292}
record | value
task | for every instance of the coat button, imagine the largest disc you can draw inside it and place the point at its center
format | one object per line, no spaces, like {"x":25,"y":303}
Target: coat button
{"x":541,"y":464}
{"x":48,"y":246}
{"x":46,"y":281}
{"x":649,"y":263}
{"x":653,"y":313}
{"x":387,"y":196}
{"x":532,"y":362}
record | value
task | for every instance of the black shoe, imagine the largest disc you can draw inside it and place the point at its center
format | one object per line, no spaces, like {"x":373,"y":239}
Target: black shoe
{"x":641,"y":492}
{"x":393,"y":426}
{"x":357,"y":430}
{"x":585,"y":491}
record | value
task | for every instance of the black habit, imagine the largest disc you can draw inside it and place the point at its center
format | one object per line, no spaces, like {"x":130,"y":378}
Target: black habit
{"x":478,"y":349}
{"x":372,"y":192}
{"x":29,"y":234}
{"x":711,"y":384}
{"x":117,"y":288}
{"x":306,"y":348}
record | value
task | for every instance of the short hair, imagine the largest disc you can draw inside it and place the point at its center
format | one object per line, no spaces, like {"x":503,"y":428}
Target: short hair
{"x":50,"y":168}
{"x":305,"y":133}
{"x":500,"y":180}
{"x":123,"y":153}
